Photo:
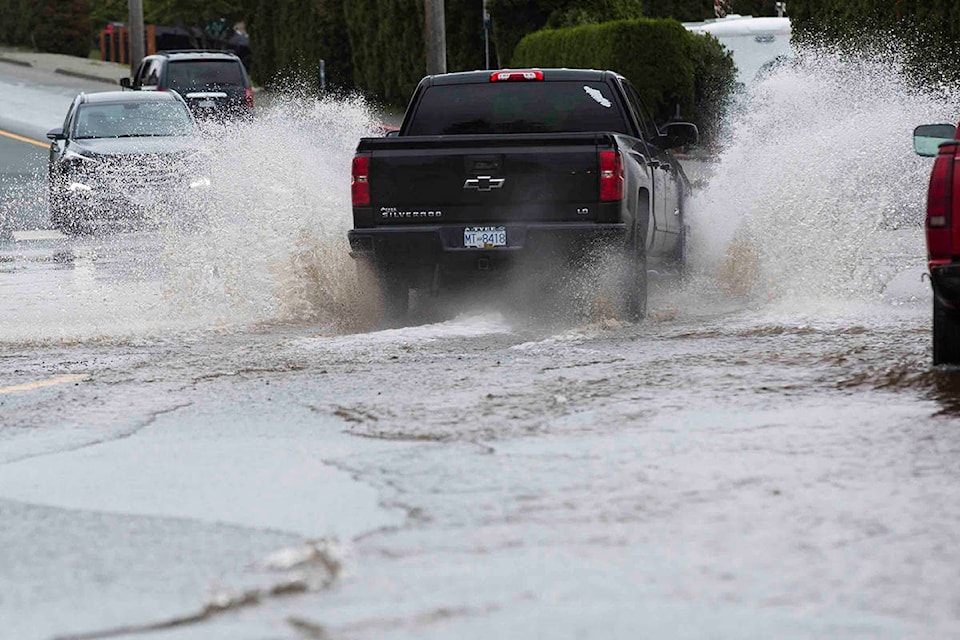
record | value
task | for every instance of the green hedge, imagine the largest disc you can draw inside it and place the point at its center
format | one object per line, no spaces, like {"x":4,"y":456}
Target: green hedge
{"x":55,"y":26}
{"x":668,"y":65}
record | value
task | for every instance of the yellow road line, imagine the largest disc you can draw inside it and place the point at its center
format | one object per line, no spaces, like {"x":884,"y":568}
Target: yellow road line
{"x":14,"y":136}
{"x":50,"y":382}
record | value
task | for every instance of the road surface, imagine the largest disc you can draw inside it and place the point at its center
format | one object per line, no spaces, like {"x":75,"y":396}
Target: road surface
{"x":201,"y":435}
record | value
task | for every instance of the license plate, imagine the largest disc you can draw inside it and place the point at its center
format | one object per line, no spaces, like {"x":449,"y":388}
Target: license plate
{"x":484,"y":237}
{"x":207,"y":104}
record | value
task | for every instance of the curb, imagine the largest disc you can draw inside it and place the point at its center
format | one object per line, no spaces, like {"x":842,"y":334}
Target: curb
{"x":86,"y":76}
{"x":19,"y":63}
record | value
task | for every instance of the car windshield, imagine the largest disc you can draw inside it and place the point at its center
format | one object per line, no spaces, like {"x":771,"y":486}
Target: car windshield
{"x":133,"y":119}
{"x":190,"y":75}
{"x":517,"y":107}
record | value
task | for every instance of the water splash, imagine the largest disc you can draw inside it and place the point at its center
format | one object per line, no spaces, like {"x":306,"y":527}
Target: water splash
{"x":265,"y":241}
{"x":817,"y":193}
{"x":271,"y":242}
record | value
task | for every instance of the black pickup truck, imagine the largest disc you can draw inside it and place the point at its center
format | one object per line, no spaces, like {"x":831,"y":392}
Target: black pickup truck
{"x":493,"y":170}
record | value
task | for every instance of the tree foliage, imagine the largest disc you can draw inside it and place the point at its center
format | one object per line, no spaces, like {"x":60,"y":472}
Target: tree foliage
{"x":55,"y":26}
{"x":464,"y":25}
{"x":758,"y":8}
{"x":290,"y":37}
{"x":925,"y":33}
{"x":683,"y":10}
{"x":389,"y":50}
{"x":185,"y":13}
{"x":386,"y":38}
{"x":17,"y":21}
{"x":514,"y":19}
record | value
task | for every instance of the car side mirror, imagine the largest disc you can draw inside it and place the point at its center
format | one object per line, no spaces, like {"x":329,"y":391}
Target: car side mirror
{"x":125,"y":83}
{"x":392,"y":133}
{"x":927,"y":138}
{"x":56,"y":134}
{"x":679,"y":134}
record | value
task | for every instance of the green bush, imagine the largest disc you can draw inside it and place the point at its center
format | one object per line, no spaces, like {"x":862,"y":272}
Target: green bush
{"x":669,"y":66}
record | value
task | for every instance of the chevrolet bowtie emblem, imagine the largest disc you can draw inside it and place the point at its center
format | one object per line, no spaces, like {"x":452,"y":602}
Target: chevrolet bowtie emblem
{"x":483,"y":183}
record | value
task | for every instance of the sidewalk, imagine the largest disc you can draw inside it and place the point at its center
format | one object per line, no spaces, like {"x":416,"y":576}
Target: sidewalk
{"x":83,"y":68}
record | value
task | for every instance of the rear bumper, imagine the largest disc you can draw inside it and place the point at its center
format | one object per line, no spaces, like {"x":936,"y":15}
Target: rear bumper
{"x":422,"y":249}
{"x":945,"y":278}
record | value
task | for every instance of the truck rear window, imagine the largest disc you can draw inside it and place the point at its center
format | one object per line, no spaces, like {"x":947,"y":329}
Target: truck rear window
{"x":517,"y":107}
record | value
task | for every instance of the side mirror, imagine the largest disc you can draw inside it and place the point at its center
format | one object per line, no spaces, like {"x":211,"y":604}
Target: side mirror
{"x":125,"y":83}
{"x":927,"y":138}
{"x":679,"y":134}
{"x":56,"y":134}
{"x":393,"y":133}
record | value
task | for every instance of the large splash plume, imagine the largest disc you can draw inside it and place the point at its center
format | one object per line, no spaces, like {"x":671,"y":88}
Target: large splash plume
{"x":270,"y":240}
{"x":817,"y":193}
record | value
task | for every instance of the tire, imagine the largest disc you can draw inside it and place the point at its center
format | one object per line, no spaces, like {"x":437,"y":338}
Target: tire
{"x":946,"y":334}
{"x":611,"y":280}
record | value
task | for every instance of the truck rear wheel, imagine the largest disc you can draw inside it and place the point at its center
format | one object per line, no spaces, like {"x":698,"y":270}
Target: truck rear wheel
{"x":946,"y":334}
{"x":614,"y":282}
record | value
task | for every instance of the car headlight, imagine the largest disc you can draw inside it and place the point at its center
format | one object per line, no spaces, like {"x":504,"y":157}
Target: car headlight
{"x":200,"y":183}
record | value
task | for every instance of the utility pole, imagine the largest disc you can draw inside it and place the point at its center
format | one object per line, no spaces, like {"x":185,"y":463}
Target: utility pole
{"x":435,"y":34}
{"x":135,"y":29}
{"x":486,"y":36}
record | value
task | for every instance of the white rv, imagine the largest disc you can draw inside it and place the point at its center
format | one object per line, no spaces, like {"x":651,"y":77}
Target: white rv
{"x":754,"y":42}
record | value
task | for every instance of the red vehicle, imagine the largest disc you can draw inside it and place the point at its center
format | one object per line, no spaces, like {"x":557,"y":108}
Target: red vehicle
{"x":943,"y":235}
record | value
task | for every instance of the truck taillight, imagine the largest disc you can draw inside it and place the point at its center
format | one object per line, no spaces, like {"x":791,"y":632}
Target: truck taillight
{"x":611,"y":176}
{"x":516,"y":76}
{"x":360,"y":182}
{"x":939,"y":203}
{"x":248,"y":97}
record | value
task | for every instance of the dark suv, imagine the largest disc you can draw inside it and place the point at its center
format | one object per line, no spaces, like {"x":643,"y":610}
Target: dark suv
{"x":214,"y":84}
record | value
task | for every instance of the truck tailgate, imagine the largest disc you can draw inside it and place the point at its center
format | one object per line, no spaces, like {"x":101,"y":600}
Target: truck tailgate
{"x":484,"y":178}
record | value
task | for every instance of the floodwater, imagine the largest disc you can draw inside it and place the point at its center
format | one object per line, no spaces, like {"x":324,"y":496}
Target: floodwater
{"x":202,"y":436}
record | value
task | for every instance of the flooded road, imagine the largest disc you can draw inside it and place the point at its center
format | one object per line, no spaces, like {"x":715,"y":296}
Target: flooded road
{"x":202,"y":435}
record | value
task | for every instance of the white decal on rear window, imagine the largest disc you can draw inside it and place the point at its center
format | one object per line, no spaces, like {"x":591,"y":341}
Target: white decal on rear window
{"x":597,"y":95}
